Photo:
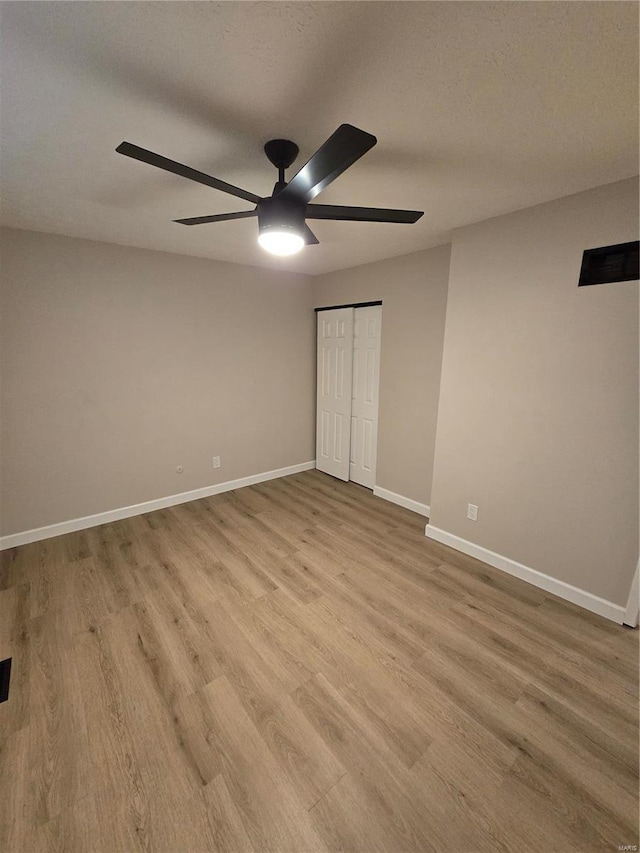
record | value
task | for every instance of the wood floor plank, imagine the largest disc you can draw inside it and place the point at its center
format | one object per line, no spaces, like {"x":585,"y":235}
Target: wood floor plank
{"x":220,"y":569}
{"x":615,"y":791}
{"x":594,"y":746}
{"x":352,"y":668}
{"x":59,"y":743}
{"x":115,"y":756}
{"x":392,"y":817}
{"x":18,"y":822}
{"x":496,"y":709}
{"x":273,"y":815}
{"x":350,"y":607}
{"x":459,"y":792}
{"x":98,"y":822}
{"x":291,"y":574}
{"x":374,"y":632}
{"x":556,"y":670}
{"x":174,"y":647}
{"x":227,"y":830}
{"x":282,"y":494}
{"x":302,"y":756}
{"x":83,"y":593}
{"x":294,"y":667}
{"x":283,"y":656}
{"x":15,"y":606}
{"x":30,"y":560}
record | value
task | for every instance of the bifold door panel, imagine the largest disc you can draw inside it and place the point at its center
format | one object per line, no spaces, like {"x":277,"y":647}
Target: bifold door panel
{"x":364,"y":395}
{"x":335,"y":367}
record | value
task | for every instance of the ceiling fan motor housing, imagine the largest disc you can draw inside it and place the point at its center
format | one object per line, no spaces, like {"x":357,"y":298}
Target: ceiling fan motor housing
{"x":281,"y":214}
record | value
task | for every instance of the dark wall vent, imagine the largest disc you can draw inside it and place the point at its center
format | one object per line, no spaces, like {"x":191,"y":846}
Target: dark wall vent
{"x":610,"y":263}
{"x":5,"y":674}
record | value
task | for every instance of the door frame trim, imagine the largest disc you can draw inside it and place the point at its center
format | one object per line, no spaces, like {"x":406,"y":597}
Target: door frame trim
{"x":348,"y":305}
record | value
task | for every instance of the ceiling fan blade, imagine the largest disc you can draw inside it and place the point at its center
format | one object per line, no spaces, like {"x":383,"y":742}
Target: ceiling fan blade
{"x":216,"y":217}
{"x":362,"y":214}
{"x":340,"y":151}
{"x":309,"y":237}
{"x":130,"y":150}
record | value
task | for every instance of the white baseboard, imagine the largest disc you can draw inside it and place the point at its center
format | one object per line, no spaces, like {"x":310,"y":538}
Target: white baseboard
{"x":407,"y":503}
{"x":563,"y":590}
{"x":633,"y":604}
{"x":74,"y":524}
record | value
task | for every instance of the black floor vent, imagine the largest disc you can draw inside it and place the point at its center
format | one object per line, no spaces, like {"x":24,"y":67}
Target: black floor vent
{"x":609,"y":263}
{"x":5,"y":673}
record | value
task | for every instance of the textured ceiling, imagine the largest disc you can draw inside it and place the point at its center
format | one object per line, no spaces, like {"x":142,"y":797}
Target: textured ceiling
{"x":479,"y":109}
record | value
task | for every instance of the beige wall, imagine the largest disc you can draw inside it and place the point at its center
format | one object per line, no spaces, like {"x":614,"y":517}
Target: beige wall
{"x":413,"y":289}
{"x":119,"y":364}
{"x":538,"y":413}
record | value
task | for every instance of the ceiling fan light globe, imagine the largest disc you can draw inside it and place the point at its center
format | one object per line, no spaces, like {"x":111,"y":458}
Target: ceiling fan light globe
{"x":281,"y":241}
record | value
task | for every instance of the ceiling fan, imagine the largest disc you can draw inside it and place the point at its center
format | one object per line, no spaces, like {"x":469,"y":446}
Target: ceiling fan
{"x":282,"y":215}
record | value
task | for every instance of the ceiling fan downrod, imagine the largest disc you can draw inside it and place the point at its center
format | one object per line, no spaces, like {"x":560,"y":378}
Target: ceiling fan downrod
{"x":281,"y":153}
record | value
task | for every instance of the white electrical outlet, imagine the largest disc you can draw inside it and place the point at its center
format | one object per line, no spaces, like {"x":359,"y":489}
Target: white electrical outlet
{"x":216,"y":461}
{"x":472,"y":512}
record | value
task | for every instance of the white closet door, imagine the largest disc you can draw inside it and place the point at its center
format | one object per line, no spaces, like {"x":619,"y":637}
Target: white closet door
{"x":364,"y":402}
{"x":335,"y":364}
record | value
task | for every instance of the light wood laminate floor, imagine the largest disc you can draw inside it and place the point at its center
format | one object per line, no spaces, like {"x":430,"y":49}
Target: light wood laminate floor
{"x":294,"y":667}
